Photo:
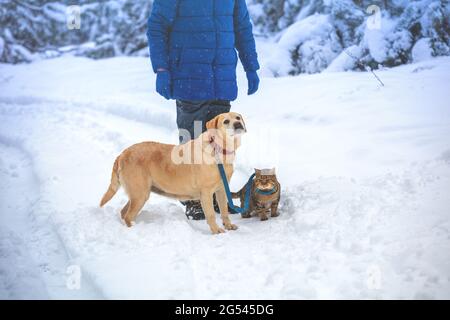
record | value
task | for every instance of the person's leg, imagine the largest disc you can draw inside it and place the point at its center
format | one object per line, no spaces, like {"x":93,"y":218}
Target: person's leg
{"x":192,"y":117}
{"x":215,"y":108}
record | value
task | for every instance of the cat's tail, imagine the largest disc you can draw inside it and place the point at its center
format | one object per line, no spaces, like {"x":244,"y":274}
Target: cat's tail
{"x":236,"y":195}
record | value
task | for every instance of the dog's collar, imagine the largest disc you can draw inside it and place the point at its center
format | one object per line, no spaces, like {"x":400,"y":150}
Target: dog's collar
{"x":218,"y":149}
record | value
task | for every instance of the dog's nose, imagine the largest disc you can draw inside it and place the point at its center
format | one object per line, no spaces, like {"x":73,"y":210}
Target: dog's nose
{"x":238,"y":125}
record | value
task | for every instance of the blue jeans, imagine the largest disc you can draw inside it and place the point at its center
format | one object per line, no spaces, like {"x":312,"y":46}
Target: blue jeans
{"x":188,"y":112}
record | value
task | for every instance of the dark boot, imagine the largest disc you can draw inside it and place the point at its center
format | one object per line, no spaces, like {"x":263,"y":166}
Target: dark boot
{"x":194,"y":210}
{"x":216,"y":204}
{"x":217,"y":209}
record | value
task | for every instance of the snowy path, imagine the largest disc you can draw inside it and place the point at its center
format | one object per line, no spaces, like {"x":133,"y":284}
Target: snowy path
{"x":365,"y":212}
{"x":33,"y":258}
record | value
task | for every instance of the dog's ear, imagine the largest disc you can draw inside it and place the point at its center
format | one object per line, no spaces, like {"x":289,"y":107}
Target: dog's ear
{"x":243,"y":122}
{"x":213,"y":123}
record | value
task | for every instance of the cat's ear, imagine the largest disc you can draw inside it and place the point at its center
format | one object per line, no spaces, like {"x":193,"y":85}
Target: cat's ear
{"x":272,"y":171}
{"x":258,"y":172}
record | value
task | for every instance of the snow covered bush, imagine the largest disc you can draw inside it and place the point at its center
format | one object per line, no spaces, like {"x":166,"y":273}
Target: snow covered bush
{"x":308,"y":45}
{"x":337,"y":35}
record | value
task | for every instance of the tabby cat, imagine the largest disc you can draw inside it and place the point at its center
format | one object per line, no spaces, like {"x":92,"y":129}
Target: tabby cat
{"x":265,"y":195}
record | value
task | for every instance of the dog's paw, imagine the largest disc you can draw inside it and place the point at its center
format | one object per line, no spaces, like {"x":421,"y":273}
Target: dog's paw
{"x":217,"y":230}
{"x":230,"y":226}
{"x":129,"y":223}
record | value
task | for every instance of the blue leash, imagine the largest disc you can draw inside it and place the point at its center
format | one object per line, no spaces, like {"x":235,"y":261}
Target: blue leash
{"x":248,"y":187}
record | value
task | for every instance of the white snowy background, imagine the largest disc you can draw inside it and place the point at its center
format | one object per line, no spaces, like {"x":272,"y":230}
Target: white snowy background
{"x":365,"y":174}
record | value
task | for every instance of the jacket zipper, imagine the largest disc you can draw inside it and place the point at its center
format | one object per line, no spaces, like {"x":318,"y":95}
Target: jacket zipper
{"x":215,"y":49}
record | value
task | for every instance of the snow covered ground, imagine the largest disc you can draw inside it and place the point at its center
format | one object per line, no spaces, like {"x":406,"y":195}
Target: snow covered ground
{"x":365,"y":172}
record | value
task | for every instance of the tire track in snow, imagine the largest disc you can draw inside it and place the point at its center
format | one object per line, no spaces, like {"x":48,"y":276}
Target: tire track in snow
{"x":42,"y":258}
{"x":33,"y":128}
{"x":20,"y":275}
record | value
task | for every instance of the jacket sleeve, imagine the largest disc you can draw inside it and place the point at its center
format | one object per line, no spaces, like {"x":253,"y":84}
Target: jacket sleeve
{"x":159,"y":26}
{"x":245,"y":42}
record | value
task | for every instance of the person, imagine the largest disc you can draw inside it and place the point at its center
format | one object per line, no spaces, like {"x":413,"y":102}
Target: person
{"x":193,"y":47}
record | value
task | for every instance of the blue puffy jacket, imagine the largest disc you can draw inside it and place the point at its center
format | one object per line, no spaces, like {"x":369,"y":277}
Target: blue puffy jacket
{"x":196,"y":40}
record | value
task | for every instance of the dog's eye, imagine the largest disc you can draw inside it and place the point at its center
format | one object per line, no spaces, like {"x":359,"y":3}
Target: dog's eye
{"x":226,"y":121}
{"x":238,"y":118}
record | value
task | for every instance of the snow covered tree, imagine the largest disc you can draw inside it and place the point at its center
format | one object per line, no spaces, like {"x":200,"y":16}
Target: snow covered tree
{"x":266,"y":14}
{"x":39,"y":28}
{"x":340,"y":35}
{"x":312,"y":35}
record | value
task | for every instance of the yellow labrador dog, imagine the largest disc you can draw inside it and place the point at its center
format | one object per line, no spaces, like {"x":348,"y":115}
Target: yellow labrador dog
{"x":184,"y":172}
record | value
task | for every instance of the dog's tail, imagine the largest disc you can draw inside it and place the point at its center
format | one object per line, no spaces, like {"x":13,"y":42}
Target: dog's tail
{"x":114,"y":185}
